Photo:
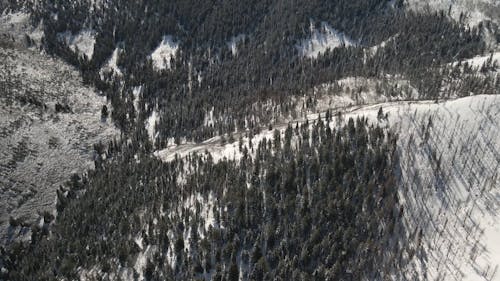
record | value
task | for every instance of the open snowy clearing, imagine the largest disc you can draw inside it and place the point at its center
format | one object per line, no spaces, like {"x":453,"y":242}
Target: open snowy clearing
{"x":162,"y":55}
{"x":151,"y":125}
{"x":450,"y":161}
{"x":323,"y":39}
{"x":111,"y":67}
{"x":81,"y":43}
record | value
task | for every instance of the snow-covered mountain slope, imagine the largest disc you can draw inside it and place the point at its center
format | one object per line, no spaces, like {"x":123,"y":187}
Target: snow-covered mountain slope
{"x":450,"y":165}
{"x":15,"y":28}
{"x":49,"y":122}
{"x":474,"y":11}
{"x":449,"y":179}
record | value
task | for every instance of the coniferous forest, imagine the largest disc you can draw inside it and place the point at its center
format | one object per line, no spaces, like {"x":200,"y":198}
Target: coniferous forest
{"x":318,"y":200}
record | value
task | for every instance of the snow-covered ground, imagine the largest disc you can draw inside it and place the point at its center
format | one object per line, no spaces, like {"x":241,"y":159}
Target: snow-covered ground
{"x":40,"y":147}
{"x":209,"y":118}
{"x":17,"y":25}
{"x":162,"y":55}
{"x":474,"y":10}
{"x":111,"y":66}
{"x":479,"y":61}
{"x":450,"y":165}
{"x":81,"y":43}
{"x":321,"y":40}
{"x":136,"y":93}
{"x":233,"y":43}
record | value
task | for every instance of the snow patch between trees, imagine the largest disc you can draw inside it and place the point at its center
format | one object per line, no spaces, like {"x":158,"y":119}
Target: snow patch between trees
{"x":81,"y":43}
{"x":163,"y":54}
{"x":233,"y":43}
{"x":151,"y":125}
{"x":136,"y":92}
{"x":111,"y":66}
{"x":323,"y":39}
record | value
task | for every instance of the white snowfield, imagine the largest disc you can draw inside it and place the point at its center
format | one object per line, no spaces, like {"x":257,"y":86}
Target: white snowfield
{"x":81,"y":43}
{"x":326,"y":38}
{"x":162,"y":55}
{"x":450,"y":177}
{"x":111,"y":66}
{"x":450,"y":164}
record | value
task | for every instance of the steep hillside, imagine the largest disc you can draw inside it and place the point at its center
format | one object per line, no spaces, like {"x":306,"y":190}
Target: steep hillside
{"x":450,"y":165}
{"x":192,"y":66}
{"x":49,"y":123}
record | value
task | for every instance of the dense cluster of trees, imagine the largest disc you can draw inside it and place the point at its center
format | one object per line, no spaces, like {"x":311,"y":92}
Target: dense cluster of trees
{"x":312,"y":203}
